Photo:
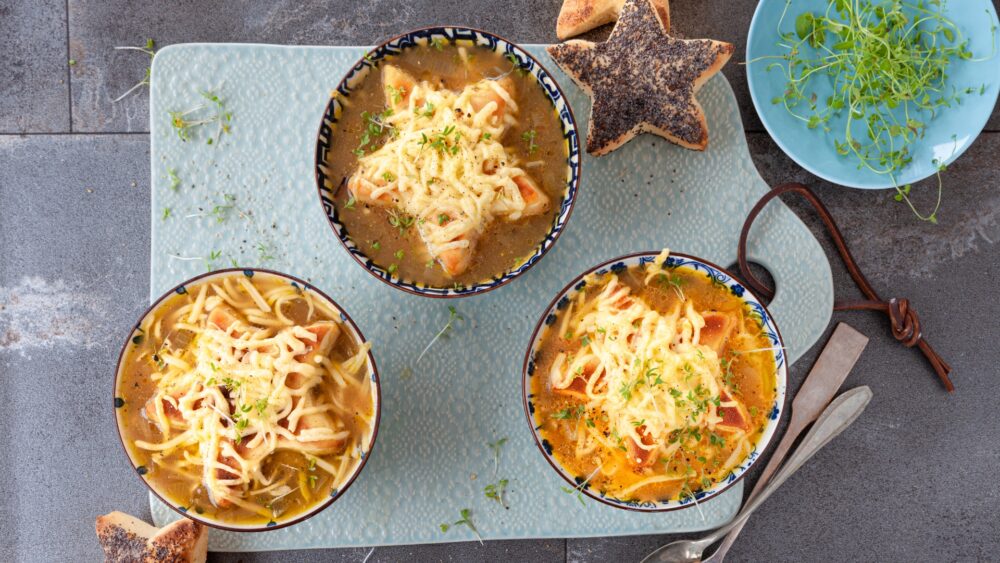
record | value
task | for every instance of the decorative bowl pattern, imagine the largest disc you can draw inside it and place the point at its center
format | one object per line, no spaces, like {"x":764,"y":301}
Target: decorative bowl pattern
{"x":359,"y":72}
{"x":355,"y":333}
{"x":720,"y":276}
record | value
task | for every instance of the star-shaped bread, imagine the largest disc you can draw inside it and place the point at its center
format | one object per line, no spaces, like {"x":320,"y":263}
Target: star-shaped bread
{"x":642,"y":80}
{"x":579,"y":16}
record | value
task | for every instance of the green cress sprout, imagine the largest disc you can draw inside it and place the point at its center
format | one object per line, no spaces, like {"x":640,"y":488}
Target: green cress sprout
{"x":465,"y":521}
{"x":529,"y":138}
{"x":888,"y":61}
{"x":453,"y":315}
{"x":495,"y":491}
{"x":175,"y":180}
{"x":149,"y":49}
{"x":578,"y":490}
{"x":214,"y":111}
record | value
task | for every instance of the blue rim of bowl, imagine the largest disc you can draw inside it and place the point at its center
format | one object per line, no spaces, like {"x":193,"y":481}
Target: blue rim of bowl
{"x":720,"y":275}
{"x":328,"y":187}
{"x":181,"y":289}
{"x":794,"y":154}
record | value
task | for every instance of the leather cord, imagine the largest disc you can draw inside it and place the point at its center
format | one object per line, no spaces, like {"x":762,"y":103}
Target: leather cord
{"x":904,"y":320}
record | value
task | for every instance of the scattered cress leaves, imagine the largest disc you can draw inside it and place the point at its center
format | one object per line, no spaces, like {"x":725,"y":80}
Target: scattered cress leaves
{"x":264,"y":252}
{"x":453,"y":315}
{"x":400,"y":220}
{"x":375,"y":130}
{"x":529,"y":138}
{"x":175,"y":180}
{"x":496,"y":491}
{"x":495,"y":446}
{"x":213,"y":111}
{"x":889,"y":64}
{"x":466,"y":521}
{"x":149,"y":49}
{"x":578,"y":490}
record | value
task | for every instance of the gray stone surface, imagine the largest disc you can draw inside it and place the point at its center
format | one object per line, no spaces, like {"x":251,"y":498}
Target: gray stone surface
{"x":74,"y":236}
{"x":102,"y":74}
{"x":96,"y":26}
{"x":912,"y":481}
{"x":34,"y":84}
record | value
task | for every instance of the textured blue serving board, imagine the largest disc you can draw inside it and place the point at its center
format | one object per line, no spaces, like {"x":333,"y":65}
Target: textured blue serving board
{"x":431,"y":458}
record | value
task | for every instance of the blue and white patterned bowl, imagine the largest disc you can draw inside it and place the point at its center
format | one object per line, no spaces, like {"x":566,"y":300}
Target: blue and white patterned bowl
{"x":348,"y":325}
{"x":463,"y":35}
{"x":719,"y":275}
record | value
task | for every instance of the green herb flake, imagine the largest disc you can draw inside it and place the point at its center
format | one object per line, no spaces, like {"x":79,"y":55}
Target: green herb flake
{"x":529,"y":138}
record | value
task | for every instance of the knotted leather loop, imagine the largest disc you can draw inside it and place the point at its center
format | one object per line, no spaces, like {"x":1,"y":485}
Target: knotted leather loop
{"x":904,"y":320}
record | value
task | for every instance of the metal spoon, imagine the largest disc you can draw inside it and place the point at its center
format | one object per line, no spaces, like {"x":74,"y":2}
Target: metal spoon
{"x":819,"y":388}
{"x":834,"y":420}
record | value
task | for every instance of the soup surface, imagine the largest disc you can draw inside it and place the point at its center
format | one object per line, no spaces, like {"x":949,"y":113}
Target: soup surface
{"x":451,"y":165}
{"x":245,"y":399}
{"x":653,"y":383}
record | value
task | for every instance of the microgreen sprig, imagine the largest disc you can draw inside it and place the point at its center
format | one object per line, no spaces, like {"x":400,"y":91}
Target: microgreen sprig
{"x":220,"y":211}
{"x":149,"y":49}
{"x":496,"y":446}
{"x":453,"y":315}
{"x":401,"y":221}
{"x":529,"y":138}
{"x":264,"y":252}
{"x":495,"y":491}
{"x":889,"y":63}
{"x":175,"y":180}
{"x":186,"y":121}
{"x":375,"y":127}
{"x":465,"y":521}
{"x":578,"y":490}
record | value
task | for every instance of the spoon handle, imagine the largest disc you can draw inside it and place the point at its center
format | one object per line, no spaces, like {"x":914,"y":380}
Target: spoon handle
{"x":820,"y":386}
{"x":843,"y":411}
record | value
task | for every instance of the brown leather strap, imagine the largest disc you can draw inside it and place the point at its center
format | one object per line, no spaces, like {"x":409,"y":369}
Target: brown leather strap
{"x":905,"y":322}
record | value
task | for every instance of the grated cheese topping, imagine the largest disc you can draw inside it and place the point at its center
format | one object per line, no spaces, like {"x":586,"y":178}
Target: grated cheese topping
{"x":245,"y":386}
{"x":445,"y":163}
{"x":645,"y":370}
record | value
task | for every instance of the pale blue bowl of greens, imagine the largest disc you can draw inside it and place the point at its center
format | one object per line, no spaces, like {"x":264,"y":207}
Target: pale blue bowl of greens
{"x":938,"y":62}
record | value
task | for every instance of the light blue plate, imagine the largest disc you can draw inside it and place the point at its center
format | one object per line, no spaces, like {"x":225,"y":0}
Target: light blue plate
{"x":948,"y":134}
{"x":431,"y":458}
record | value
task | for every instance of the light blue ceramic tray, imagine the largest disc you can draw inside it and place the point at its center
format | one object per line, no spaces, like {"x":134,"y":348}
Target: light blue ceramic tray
{"x":431,"y":458}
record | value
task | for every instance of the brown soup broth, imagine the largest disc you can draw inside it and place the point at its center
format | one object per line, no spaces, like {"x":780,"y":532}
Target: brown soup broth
{"x":751,"y":379}
{"x":184,"y":487}
{"x":503,"y":245}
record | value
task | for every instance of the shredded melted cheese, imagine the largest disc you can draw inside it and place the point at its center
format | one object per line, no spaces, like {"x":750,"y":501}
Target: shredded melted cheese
{"x":645,"y":370}
{"x":247,"y":384}
{"x":445,"y":163}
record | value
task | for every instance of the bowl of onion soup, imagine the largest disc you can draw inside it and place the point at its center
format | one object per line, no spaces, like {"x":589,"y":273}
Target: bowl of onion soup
{"x":247,"y":400}
{"x":654,"y":381}
{"x":447,"y":161}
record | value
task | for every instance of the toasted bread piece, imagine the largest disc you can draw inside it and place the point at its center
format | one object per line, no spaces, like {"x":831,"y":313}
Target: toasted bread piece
{"x":642,"y":80}
{"x":127,"y":539}
{"x":580,"y":16}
